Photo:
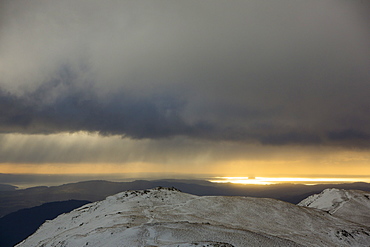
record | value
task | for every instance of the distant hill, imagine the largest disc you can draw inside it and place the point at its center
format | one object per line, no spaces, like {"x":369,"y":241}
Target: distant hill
{"x":7,"y":187}
{"x":19,"y":225}
{"x":11,"y":201}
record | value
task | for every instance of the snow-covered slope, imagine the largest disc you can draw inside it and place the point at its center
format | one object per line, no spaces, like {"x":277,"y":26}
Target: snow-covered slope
{"x":167,"y":217}
{"x":353,"y":205}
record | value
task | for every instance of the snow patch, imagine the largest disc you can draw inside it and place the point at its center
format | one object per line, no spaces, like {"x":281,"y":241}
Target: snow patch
{"x":353,"y":205}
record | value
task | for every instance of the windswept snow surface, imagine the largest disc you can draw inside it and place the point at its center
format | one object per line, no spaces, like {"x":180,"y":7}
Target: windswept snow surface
{"x":167,"y":217}
{"x":353,"y":205}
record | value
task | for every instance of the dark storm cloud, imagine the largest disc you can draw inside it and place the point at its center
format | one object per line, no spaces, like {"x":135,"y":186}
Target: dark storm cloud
{"x":349,"y":134}
{"x":79,"y":109}
{"x":74,"y":109}
{"x":273,"y":72}
{"x":350,"y":137}
{"x":292,"y":138}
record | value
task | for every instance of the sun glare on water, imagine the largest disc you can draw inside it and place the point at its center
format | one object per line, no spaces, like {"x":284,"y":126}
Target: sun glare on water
{"x":280,"y":180}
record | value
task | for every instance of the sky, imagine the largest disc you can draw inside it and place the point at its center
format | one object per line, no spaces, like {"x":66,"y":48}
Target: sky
{"x":226,"y":88}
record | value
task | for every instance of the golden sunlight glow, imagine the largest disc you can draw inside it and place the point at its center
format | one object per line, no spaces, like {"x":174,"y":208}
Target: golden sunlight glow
{"x":269,"y":180}
{"x":74,"y":168}
{"x":88,"y":168}
{"x":89,"y":153}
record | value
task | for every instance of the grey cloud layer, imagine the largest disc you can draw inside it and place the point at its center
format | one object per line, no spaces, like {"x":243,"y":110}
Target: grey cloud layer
{"x":277,"y":73}
{"x":62,"y":106}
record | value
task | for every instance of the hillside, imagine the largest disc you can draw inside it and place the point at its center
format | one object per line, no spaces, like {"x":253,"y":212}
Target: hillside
{"x":349,"y":204}
{"x":168,"y":217}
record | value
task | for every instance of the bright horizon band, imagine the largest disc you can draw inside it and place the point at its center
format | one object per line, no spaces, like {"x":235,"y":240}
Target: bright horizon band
{"x":277,"y":180}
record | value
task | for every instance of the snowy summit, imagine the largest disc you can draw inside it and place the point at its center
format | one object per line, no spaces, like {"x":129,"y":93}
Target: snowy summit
{"x":168,"y":217}
{"x":353,"y":205}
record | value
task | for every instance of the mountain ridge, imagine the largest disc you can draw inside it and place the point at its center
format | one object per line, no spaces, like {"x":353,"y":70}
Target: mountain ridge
{"x":165,"y":217}
{"x":353,"y":205}
{"x":95,"y":190}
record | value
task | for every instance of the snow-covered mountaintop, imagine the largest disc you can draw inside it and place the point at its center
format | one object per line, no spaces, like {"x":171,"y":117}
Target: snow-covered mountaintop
{"x":353,"y":205}
{"x":168,"y":217}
